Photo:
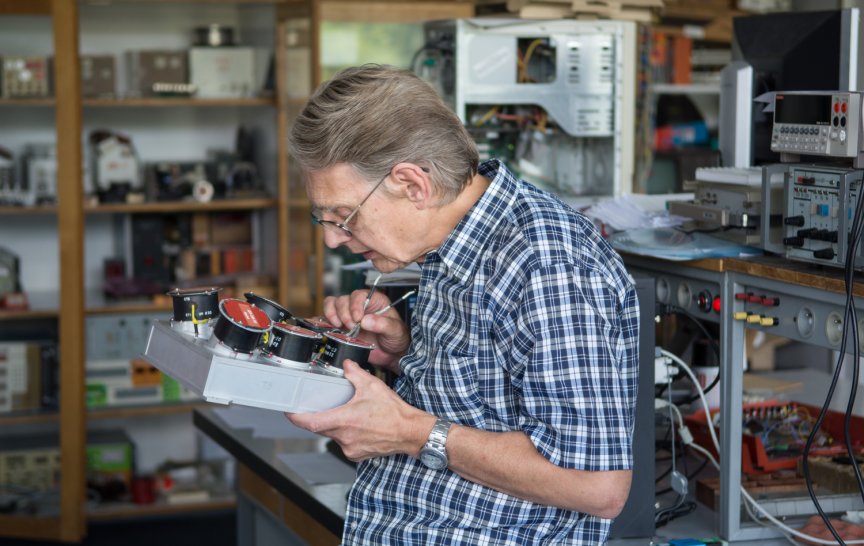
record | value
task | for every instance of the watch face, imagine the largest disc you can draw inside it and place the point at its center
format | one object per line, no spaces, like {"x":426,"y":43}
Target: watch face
{"x":433,"y":459}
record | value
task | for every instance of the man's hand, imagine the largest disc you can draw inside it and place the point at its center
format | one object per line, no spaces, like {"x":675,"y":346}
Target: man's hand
{"x":387,"y":331}
{"x":374,"y":423}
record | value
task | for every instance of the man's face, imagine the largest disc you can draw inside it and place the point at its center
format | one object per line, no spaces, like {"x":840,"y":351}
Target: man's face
{"x":379,"y":230}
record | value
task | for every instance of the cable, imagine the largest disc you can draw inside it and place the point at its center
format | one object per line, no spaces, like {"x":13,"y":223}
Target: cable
{"x":667,"y":309}
{"x":713,"y":460}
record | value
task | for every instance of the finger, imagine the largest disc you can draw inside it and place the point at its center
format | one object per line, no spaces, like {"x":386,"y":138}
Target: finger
{"x":331,"y":311}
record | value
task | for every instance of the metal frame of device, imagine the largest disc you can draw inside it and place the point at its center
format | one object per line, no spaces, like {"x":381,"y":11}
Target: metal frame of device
{"x":801,"y":313}
{"x":591,"y":98}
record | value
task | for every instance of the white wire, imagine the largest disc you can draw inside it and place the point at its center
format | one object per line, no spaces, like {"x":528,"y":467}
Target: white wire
{"x":782,"y":526}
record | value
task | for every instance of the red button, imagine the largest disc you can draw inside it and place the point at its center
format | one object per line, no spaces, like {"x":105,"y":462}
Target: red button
{"x":843,"y":107}
{"x":716,"y":304}
{"x":836,"y":107}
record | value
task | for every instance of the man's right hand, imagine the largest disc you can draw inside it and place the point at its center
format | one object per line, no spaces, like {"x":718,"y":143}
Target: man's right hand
{"x":387,"y":331}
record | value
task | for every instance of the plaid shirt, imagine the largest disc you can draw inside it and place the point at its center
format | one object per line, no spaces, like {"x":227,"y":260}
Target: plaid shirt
{"x":525,"y":320}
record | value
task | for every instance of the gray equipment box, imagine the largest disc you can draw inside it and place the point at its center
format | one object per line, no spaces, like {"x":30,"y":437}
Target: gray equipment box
{"x":255,"y":382}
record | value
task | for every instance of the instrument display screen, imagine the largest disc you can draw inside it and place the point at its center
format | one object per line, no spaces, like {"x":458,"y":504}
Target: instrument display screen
{"x":803,"y":109}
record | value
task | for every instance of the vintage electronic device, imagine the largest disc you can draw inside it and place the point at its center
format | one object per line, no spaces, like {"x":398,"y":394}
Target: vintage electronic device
{"x":177,"y":180}
{"x":244,"y":358}
{"x":790,"y":51}
{"x":39,"y":170}
{"x":110,"y":383}
{"x":8,"y":184}
{"x":10,"y":272}
{"x":115,"y":166}
{"x":554,"y":99}
{"x":223,"y":72}
{"x":98,"y":76}
{"x":820,"y":203}
{"x":26,"y":77}
{"x":30,"y":462}
{"x":146,"y":70}
{"x":827,"y":124}
{"x":20,"y":376}
{"x":728,"y":202}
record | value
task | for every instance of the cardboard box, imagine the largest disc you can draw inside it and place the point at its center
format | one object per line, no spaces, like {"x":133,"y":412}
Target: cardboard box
{"x":20,"y":376}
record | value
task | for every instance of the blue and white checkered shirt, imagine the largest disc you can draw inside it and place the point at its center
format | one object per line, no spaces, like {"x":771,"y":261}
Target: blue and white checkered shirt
{"x":525,"y":320}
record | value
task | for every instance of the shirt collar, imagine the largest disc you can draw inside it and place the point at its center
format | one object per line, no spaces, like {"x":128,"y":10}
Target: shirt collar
{"x":461,"y":251}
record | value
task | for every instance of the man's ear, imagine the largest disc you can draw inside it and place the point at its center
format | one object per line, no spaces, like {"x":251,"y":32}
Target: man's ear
{"x":415,"y":184}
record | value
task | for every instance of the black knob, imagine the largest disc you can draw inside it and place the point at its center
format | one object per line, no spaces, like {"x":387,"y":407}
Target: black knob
{"x":794,"y":221}
{"x":793,"y":241}
{"x":824,"y":254}
{"x":806,"y":233}
{"x":831,"y":236}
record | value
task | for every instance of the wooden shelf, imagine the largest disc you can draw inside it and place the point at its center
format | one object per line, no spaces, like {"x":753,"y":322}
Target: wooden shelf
{"x":24,"y":211}
{"x":144,"y":411}
{"x":41,"y":102}
{"x":30,"y":418}
{"x":42,"y":305}
{"x":185,"y":102}
{"x":31,"y":527}
{"x":151,"y":102}
{"x":131,"y":510}
{"x":183,"y":206}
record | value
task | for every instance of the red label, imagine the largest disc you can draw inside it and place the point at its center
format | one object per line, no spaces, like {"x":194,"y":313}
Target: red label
{"x":246,"y":314}
{"x":299,"y":330}
{"x":348,"y":339}
{"x":318,"y":322}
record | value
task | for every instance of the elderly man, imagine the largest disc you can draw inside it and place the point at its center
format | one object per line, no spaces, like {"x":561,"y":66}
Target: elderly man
{"x":511,"y":420}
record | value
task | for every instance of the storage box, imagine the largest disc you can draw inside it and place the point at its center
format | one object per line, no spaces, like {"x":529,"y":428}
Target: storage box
{"x":110,"y":462}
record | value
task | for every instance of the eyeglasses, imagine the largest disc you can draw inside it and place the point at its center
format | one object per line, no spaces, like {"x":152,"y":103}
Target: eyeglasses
{"x":342,"y":226}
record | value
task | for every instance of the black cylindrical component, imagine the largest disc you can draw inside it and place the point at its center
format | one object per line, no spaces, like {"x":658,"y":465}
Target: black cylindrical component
{"x":276,"y":312}
{"x":339,"y":346}
{"x":293,"y":342}
{"x":240,"y":325}
{"x":824,"y":254}
{"x":316,"y":324}
{"x":195,"y":304}
{"x":794,"y":221}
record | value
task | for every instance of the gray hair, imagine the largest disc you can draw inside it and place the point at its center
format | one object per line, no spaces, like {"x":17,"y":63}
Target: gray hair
{"x":373,"y":117}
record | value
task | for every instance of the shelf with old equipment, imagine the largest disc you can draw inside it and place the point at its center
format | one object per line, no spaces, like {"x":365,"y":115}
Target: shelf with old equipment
{"x":159,"y":508}
{"x":167,"y":207}
{"x":149,"y":102}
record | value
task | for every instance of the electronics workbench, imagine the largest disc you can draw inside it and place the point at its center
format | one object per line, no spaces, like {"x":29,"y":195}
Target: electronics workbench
{"x":797,"y":301}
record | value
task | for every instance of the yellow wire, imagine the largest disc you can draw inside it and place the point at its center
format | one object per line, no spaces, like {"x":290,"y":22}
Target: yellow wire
{"x":523,"y":72}
{"x":486,"y":117}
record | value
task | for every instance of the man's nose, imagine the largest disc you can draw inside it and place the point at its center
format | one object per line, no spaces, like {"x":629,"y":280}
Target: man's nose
{"x":334,"y":239}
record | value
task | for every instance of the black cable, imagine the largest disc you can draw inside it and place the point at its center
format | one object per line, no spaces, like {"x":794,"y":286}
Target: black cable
{"x":665,"y":516}
{"x":666,"y":309}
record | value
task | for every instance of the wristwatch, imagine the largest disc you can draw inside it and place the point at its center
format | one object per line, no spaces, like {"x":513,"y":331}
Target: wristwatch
{"x":434,"y":453}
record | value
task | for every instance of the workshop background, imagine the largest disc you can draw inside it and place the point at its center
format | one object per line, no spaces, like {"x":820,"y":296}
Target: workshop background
{"x":143,"y":148}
